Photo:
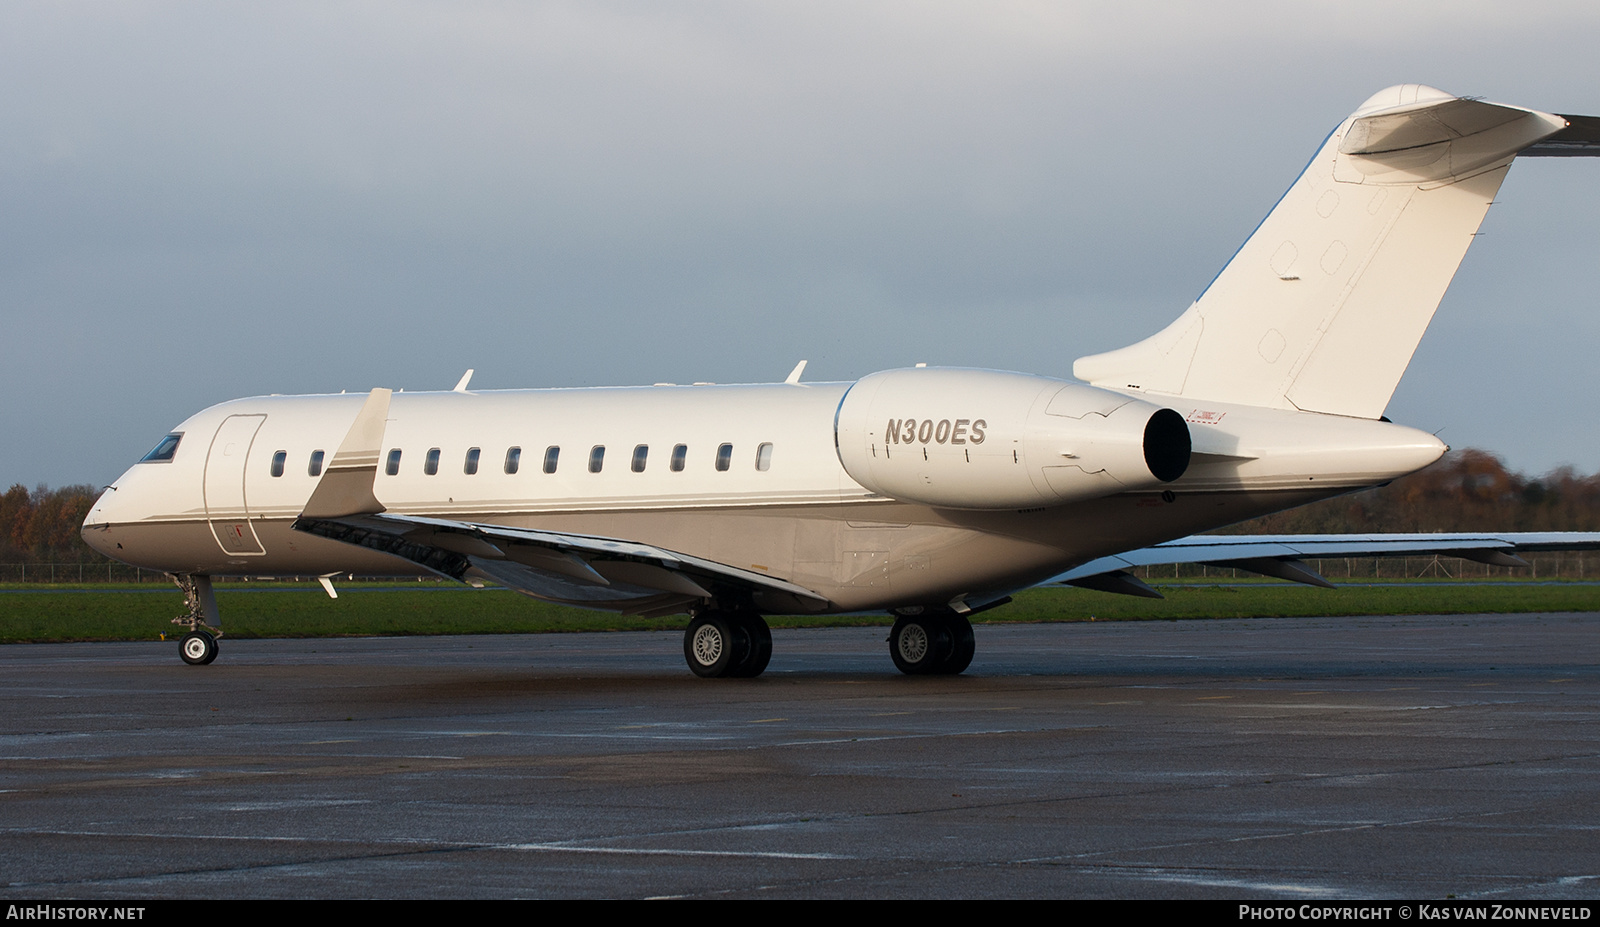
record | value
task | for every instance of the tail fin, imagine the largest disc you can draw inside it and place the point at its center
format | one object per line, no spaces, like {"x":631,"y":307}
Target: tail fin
{"x":1322,"y":308}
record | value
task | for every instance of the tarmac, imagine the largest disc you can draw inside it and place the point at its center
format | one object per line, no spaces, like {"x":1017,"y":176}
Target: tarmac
{"x":1292,"y":759}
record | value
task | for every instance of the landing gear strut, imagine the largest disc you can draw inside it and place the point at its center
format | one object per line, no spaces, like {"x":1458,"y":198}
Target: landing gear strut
{"x":199,"y":646}
{"x":933,"y":644}
{"x":727,"y":644}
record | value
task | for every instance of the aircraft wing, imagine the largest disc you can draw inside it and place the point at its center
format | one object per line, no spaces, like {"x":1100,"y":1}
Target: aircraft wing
{"x":1283,"y":556}
{"x":574,"y":568}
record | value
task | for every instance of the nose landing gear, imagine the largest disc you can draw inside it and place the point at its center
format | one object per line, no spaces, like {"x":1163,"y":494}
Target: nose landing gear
{"x":199,"y":646}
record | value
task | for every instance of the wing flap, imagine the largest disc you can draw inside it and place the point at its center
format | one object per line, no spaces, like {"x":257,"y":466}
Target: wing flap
{"x":1120,"y":582}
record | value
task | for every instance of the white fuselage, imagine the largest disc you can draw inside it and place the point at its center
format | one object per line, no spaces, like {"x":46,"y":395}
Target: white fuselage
{"x":783,"y":503}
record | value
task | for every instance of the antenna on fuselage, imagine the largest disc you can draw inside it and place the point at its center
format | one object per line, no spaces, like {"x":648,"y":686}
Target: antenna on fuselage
{"x":465,"y":378}
{"x":794,"y":375}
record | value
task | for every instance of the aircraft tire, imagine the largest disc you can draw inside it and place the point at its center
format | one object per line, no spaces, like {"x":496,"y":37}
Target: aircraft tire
{"x":197,"y":648}
{"x":714,"y":645}
{"x":760,"y":651}
{"x":920,"y":645}
{"x":964,"y":646}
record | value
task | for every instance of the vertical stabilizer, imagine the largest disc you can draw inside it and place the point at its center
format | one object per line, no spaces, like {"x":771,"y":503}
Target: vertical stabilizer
{"x":1323,"y":306}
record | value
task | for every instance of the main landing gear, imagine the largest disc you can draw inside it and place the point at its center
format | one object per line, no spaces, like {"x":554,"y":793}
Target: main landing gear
{"x":727,"y":644}
{"x":738,"y":644}
{"x":931,"y":644}
{"x":199,"y":646}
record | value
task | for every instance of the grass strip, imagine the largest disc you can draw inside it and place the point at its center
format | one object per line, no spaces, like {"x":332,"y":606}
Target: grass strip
{"x":38,"y":614}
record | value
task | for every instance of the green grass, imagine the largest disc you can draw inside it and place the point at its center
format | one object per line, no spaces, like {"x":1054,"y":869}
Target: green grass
{"x":1279,"y":600}
{"x":40,"y":613}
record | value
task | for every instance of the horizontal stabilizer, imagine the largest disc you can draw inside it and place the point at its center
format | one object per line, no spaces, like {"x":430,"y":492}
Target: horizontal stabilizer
{"x":1580,"y":139}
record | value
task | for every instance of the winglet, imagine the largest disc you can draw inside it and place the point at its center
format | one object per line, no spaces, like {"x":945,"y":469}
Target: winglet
{"x":466,"y":378}
{"x":346,"y":487}
{"x":794,"y":375}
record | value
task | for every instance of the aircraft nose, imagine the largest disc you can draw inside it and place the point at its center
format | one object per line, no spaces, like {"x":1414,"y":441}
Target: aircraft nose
{"x":96,"y":537}
{"x":94,"y":524}
{"x":97,"y":531}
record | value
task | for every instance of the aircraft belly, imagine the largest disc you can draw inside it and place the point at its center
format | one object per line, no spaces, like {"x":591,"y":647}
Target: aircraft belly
{"x":880,"y":555}
{"x":858,"y":556}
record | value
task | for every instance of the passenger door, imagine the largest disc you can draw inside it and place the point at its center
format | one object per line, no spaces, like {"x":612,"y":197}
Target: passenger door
{"x":226,"y":505}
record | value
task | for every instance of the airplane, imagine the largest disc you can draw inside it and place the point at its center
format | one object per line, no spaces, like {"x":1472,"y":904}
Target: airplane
{"x":929,"y":493}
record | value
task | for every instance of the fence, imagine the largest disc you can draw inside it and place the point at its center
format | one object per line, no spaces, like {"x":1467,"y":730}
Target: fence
{"x":85,"y":574}
{"x":1562,"y":565}
{"x":78,"y":573}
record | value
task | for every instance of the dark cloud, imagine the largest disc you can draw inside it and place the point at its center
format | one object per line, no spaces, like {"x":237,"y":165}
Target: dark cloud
{"x":207,"y":201}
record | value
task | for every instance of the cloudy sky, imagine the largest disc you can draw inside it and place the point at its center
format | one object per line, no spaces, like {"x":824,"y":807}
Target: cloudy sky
{"x":206,"y":201}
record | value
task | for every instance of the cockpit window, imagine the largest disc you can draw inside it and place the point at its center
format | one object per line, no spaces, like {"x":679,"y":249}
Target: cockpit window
{"x":162,"y":453}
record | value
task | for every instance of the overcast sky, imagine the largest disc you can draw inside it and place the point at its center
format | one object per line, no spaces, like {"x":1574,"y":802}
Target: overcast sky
{"x":206,"y":201}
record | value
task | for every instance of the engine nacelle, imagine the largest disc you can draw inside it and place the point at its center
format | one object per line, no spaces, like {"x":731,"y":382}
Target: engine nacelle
{"x":984,"y":439}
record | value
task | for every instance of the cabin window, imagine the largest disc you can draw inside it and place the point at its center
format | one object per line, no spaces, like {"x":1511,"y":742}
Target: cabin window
{"x":724,"y":456}
{"x":278,"y":460}
{"x":513,"y":459}
{"x":430,"y":464}
{"x":393,"y":466}
{"x":315,"y":468}
{"x":552,"y":455}
{"x":764,"y":456}
{"x":163,"y":451}
{"x":471,"y":465}
{"x":597,"y":458}
{"x":680,"y":453}
{"x":640,"y":454}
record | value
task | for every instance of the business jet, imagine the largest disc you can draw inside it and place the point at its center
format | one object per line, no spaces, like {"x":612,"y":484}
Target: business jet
{"x":928,"y":493}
